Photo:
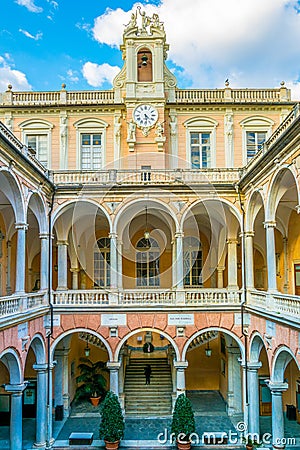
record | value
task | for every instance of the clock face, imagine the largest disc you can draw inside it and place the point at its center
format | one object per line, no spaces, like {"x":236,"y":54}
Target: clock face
{"x":145,"y":115}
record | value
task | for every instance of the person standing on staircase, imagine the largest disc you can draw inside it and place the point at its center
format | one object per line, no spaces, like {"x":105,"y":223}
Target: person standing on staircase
{"x":147,"y":373}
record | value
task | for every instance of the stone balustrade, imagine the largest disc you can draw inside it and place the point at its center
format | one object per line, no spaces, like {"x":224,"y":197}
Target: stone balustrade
{"x":205,"y":298}
{"x":65,"y":97}
{"x":282,"y":305}
{"x":149,"y":177}
{"x":17,"y":144}
{"x":13,"y":308}
{"x":232,"y":95}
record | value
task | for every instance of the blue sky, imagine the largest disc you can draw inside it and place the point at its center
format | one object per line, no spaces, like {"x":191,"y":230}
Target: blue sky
{"x":254,"y":43}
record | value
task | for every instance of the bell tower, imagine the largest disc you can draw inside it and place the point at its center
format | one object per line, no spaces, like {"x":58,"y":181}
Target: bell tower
{"x":144,"y":74}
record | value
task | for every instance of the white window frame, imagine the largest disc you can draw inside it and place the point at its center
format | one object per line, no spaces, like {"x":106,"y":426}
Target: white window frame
{"x":38,"y":127}
{"x":259,"y":124}
{"x":90,"y":126}
{"x":201,"y":125}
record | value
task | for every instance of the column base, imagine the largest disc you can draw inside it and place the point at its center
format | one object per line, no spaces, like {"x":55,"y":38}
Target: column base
{"x":39,"y":445}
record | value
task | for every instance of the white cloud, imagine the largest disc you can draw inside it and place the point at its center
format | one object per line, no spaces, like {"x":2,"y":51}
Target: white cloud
{"x":96,"y":74}
{"x":31,"y":36}
{"x":72,"y":75}
{"x":29,"y":4}
{"x":8,"y":75}
{"x":254,"y":43}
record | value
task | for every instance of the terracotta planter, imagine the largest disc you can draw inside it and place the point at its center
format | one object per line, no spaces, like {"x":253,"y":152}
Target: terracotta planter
{"x":111,"y":445}
{"x":95,"y":400}
{"x":249,"y":447}
{"x":183,"y":445}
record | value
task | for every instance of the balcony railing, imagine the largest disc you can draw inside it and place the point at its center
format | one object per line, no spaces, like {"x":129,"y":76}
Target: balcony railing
{"x":14,"y":307}
{"x":281,"y":305}
{"x":148,"y":177}
{"x":204,"y":298}
{"x":233,"y":95}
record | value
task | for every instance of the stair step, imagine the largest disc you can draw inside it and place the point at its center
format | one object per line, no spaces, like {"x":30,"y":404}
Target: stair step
{"x":154,"y":399}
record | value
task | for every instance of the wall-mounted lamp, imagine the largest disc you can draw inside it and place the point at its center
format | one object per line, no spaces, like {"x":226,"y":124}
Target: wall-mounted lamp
{"x":147,"y":232}
{"x":208,"y":350}
{"x":87,"y":350}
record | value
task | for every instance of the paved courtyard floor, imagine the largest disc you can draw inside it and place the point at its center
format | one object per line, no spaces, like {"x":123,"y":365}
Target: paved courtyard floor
{"x":152,"y":432}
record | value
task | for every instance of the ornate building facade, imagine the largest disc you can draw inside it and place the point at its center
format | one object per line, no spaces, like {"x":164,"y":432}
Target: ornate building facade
{"x":150,"y":214}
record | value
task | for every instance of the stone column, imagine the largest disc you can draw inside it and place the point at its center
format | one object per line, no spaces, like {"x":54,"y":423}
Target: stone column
{"x":285,"y":266}
{"x":234,"y":391}
{"x":120,"y":263}
{"x":113,"y":368}
{"x":253,"y":395}
{"x":179,"y":260}
{"x":41,"y":411}
{"x":21,"y":257}
{"x":8,"y":271}
{"x":180,"y":367}
{"x":62,"y":263}
{"x":62,"y":396}
{"x":249,"y":235}
{"x":113,"y":261}
{"x":16,"y":391}
{"x":82,"y":279}
{"x":44,"y":261}
{"x":232,"y":263}
{"x":277,"y":388}
{"x":75,"y":271}
{"x":220,"y":270}
{"x":271,"y":258}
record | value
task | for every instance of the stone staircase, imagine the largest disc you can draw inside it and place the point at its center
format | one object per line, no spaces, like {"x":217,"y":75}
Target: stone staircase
{"x":148,"y":400}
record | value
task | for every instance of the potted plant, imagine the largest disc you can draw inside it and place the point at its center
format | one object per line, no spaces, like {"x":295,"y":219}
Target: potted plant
{"x":92,"y":380}
{"x":183,"y":422}
{"x":250,"y":443}
{"x":112,"y":421}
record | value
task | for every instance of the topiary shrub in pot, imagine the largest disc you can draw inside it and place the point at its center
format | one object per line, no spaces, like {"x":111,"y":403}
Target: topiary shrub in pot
{"x":183,"y":422}
{"x":112,"y":421}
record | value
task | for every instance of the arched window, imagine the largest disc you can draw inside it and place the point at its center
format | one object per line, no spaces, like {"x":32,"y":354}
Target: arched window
{"x":256,"y":130}
{"x":147,"y":262}
{"x":36,"y":134}
{"x":192,"y":261}
{"x":102,"y":263}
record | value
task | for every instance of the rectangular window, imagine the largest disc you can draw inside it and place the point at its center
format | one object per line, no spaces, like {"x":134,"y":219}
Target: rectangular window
{"x":91,"y":151}
{"x":39,"y":143}
{"x":200,"y":144}
{"x":255,"y":142}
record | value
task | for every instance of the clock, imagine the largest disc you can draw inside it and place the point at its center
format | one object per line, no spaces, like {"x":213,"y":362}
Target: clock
{"x":145,"y":116}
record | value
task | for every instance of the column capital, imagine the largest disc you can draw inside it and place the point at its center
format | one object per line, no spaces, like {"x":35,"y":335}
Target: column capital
{"x":248,"y":233}
{"x":15,"y":388}
{"x":40,"y":367}
{"x":220,"y":268}
{"x":277,"y":387}
{"x":232,"y":241}
{"x":75,"y":269}
{"x":270,"y":224}
{"x":253,"y":366}
{"x":180,"y":365}
{"x":61,"y":352}
{"x":113,"y":235}
{"x":44,"y":235}
{"x":233,"y":350}
{"x":21,"y":226}
{"x":297,"y":208}
{"x":62,"y":242}
{"x":179,"y":234}
{"x":113,"y":365}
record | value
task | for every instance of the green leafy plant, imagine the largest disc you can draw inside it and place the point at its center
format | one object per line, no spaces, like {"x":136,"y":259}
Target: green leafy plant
{"x":249,"y":442}
{"x":91,"y":378}
{"x":112,"y":421}
{"x":183,"y":421}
